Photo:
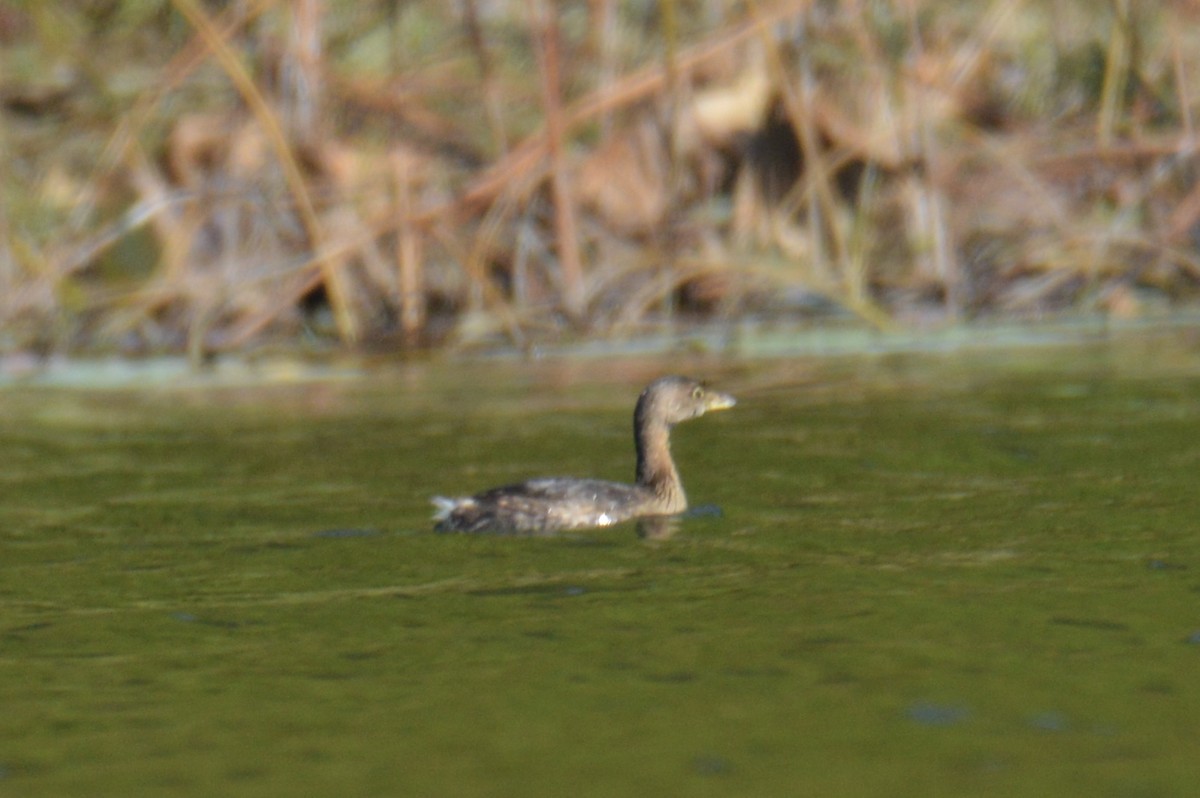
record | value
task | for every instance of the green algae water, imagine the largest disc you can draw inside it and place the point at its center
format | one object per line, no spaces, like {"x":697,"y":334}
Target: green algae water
{"x":932,"y":575}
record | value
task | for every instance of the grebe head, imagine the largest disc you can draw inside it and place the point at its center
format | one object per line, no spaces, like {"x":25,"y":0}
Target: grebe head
{"x":675,"y":399}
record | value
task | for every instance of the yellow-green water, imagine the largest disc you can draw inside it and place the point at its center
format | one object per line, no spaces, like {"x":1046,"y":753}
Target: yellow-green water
{"x":934,"y":575}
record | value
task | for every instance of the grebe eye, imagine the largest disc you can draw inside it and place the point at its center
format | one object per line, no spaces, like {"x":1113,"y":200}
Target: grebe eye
{"x":697,"y":392}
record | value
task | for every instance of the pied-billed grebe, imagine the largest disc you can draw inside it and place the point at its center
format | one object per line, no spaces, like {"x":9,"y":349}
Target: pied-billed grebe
{"x":556,"y":503}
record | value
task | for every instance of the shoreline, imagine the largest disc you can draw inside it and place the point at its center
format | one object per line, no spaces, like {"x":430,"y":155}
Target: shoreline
{"x":731,"y":341}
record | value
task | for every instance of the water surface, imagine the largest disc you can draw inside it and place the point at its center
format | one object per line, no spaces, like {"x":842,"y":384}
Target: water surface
{"x":954,"y":574}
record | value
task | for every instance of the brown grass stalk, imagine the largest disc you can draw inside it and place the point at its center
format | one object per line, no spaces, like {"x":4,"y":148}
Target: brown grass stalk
{"x":408,"y":251}
{"x":936,"y":236}
{"x":546,"y":46}
{"x":492,"y":100}
{"x":1116,"y":71}
{"x":1181,"y":86}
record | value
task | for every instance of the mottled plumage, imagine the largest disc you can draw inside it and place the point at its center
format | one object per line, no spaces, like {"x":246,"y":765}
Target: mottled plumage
{"x":556,"y":503}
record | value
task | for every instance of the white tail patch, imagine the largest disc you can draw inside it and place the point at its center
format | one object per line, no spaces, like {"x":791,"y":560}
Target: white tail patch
{"x":446,"y":506}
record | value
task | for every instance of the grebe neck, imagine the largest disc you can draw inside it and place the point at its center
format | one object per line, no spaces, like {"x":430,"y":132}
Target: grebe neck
{"x":655,"y":469}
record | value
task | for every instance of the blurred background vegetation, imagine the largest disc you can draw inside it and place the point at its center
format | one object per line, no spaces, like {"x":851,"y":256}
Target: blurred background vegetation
{"x":203,"y":177}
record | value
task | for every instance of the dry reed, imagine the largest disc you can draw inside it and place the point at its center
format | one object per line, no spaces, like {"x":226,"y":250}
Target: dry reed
{"x":282,"y":171}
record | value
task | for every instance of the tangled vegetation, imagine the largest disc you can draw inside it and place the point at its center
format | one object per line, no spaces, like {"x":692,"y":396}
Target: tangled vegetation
{"x":200,"y":177}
